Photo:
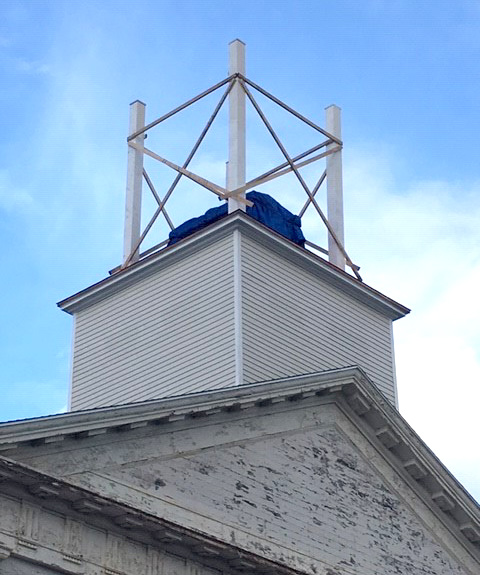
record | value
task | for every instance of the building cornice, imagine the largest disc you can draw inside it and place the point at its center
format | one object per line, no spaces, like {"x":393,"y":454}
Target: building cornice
{"x":21,"y":481}
{"x":350,"y":388}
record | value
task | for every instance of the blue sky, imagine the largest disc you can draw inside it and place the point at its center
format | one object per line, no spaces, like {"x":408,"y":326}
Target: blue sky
{"x":406,"y":76}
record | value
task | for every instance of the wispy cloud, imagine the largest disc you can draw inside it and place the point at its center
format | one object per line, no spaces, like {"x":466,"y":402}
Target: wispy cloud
{"x":31,"y":66}
{"x":420,"y":244}
{"x":13,"y":199}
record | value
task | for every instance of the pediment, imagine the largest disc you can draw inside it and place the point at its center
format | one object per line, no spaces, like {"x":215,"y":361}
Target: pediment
{"x":312,"y":459}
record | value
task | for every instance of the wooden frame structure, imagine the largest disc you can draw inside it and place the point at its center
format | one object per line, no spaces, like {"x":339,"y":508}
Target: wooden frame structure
{"x":237,"y":88}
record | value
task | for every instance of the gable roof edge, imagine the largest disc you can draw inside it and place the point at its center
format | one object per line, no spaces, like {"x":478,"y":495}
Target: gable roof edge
{"x":349,"y":387}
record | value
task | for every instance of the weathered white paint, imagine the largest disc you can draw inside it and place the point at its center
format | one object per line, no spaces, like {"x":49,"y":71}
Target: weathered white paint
{"x":335,"y":188}
{"x":296,"y":483}
{"x":295,"y":323}
{"x":133,"y":201}
{"x":237,"y":127}
{"x":68,"y":545}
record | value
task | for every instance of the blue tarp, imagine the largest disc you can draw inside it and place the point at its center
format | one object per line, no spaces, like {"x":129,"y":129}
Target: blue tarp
{"x":265,"y":209}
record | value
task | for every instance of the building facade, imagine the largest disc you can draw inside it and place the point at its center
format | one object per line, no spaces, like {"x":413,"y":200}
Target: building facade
{"x":233,"y":410}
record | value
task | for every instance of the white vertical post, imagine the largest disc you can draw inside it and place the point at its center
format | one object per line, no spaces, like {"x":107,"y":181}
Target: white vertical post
{"x":236,"y":138}
{"x":133,"y":202}
{"x":335,"y":188}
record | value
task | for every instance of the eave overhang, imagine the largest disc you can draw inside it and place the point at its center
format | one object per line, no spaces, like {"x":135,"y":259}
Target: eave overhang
{"x":349,"y":388}
{"x":223,"y":227}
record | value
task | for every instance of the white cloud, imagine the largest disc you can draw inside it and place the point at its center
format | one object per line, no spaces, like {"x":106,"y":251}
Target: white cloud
{"x":12,"y":198}
{"x":420,"y":245}
{"x":208,"y":166}
{"x":32,"y":67}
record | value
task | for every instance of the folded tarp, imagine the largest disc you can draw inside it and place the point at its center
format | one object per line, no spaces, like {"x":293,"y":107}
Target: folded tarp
{"x":265,"y":210}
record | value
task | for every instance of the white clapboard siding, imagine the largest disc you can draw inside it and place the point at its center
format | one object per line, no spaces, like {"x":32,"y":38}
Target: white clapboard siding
{"x":169,"y":333}
{"x":294,"y":322}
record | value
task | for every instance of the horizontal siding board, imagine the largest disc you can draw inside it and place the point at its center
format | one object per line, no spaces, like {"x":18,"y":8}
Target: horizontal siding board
{"x":149,"y":385}
{"x":290,"y":284}
{"x":196,"y":312}
{"x":282,"y":356}
{"x":114,"y":341}
{"x":125,"y":304}
{"x":309,"y":292}
{"x":129,"y":305}
{"x":147,"y":289}
{"x":152,"y":348}
{"x":170,"y":333}
{"x":288,"y":341}
{"x":293,"y":285}
{"x":295,"y":322}
{"x":288,"y":362}
{"x":330,"y":320}
{"x":337,"y":341}
{"x":165,"y":366}
{"x":145,"y":343}
{"x":335,"y":331}
{"x":149,"y":389}
{"x":326,"y":341}
{"x":206,"y":365}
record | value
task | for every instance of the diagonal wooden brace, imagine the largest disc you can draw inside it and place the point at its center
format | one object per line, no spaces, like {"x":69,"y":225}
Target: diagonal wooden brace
{"x":207,"y":184}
